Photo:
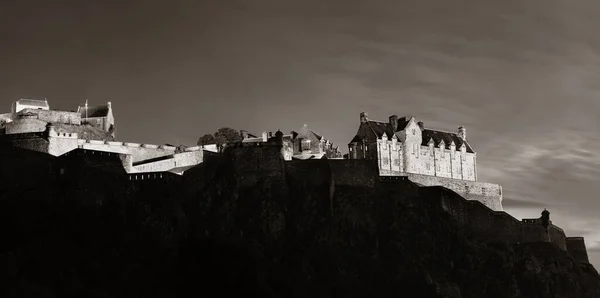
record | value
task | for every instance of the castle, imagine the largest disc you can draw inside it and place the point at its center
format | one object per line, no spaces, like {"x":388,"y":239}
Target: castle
{"x":442,"y":163}
{"x":404,"y":147}
{"x":304,"y":144}
{"x":33,"y":125}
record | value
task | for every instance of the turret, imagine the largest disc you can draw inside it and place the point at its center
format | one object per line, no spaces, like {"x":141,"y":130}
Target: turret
{"x":545,"y":218}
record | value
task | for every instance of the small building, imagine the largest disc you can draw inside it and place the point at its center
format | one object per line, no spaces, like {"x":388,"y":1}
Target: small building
{"x":98,"y":116}
{"x":25,"y":103}
{"x":304,"y":144}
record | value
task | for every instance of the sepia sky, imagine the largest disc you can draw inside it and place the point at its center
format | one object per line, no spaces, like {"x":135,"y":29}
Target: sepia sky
{"x":522,"y":76}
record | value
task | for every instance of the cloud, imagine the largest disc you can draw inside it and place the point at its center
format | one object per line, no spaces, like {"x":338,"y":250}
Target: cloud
{"x":510,"y":202}
{"x":594,"y":248}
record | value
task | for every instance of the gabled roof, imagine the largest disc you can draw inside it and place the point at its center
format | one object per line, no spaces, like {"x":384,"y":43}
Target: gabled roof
{"x":379,"y":128}
{"x":447,"y":137}
{"x":34,"y":102}
{"x":93,"y":112}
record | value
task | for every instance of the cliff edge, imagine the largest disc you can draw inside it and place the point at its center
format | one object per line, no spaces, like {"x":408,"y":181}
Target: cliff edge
{"x":241,"y":227}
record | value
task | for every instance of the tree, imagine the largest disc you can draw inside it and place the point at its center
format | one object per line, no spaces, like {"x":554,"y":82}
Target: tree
{"x":206,"y":139}
{"x":223,"y":135}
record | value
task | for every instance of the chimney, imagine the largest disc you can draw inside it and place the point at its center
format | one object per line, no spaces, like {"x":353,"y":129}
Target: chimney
{"x":244,"y":134}
{"x":363,"y":117}
{"x":264,"y":136}
{"x":462,"y":133}
{"x":421,"y":125}
{"x":109,"y":105}
{"x":394,"y":123}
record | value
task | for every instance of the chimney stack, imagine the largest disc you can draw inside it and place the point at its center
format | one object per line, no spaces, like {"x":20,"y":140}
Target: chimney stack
{"x":109,"y":105}
{"x":264,"y":136}
{"x":462,"y":133}
{"x":394,"y":123}
{"x":363,"y":117}
{"x":421,"y":125}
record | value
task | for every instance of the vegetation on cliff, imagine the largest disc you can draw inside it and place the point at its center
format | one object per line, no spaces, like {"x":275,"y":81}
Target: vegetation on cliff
{"x":292,"y":235}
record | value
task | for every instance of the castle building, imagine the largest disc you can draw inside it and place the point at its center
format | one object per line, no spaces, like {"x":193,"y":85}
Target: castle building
{"x":404,"y":147}
{"x":304,"y":144}
{"x":98,"y":116}
{"x":25,"y":103}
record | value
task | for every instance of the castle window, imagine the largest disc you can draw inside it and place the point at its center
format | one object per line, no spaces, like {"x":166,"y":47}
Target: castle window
{"x":414,"y":131}
{"x":428,"y":166}
{"x":305,"y":145}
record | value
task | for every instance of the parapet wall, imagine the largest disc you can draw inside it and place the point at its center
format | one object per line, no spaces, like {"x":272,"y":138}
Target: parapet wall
{"x":487,"y":193}
{"x":494,"y":225}
{"x":139,"y":152}
{"x":25,"y":125}
{"x":55,"y":116}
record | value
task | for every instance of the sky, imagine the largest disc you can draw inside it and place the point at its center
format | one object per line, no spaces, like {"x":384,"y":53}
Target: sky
{"x":522,"y":76}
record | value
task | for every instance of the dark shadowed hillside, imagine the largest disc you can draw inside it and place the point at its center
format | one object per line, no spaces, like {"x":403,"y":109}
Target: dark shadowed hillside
{"x":251,"y":229}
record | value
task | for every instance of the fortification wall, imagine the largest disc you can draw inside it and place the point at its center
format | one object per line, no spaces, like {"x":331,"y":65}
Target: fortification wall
{"x":354,"y":172}
{"x":139,"y":152}
{"x":28,"y":141}
{"x":7,"y":117}
{"x":61,"y":143}
{"x":56,"y":116}
{"x":576,"y":248}
{"x":25,"y":125}
{"x":487,"y":193}
{"x":169,"y":162}
{"x":488,"y":224}
{"x":255,"y":160}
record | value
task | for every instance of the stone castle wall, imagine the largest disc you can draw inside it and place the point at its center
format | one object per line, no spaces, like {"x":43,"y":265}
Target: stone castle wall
{"x":494,"y":225}
{"x":35,"y":141}
{"x":55,"y":116}
{"x":138,"y":151}
{"x":487,"y":193}
{"x":25,"y":125}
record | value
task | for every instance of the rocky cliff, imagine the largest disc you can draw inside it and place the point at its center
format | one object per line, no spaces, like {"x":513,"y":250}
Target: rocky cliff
{"x":217,"y":233}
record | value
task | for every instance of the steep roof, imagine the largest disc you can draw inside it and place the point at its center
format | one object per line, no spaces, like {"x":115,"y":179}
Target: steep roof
{"x":34,"y":102}
{"x":94,"y":112}
{"x":379,"y":127}
{"x":447,"y":137}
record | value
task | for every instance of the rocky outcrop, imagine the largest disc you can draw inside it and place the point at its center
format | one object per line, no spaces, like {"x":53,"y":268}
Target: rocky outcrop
{"x":297,"y":234}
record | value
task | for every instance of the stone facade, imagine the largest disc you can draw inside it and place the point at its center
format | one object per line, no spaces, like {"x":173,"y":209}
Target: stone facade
{"x":404,"y":147}
{"x":304,"y":144}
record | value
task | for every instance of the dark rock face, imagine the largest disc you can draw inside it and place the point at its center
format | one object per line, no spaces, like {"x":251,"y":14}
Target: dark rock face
{"x":296,"y":234}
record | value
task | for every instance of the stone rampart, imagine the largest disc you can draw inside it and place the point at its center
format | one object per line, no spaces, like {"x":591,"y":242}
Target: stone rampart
{"x":55,"y":116}
{"x":487,"y":193}
{"x":139,"y":152}
{"x":25,"y":125}
{"x":353,"y":172}
{"x":493,"y":225}
{"x":29,"y":141}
